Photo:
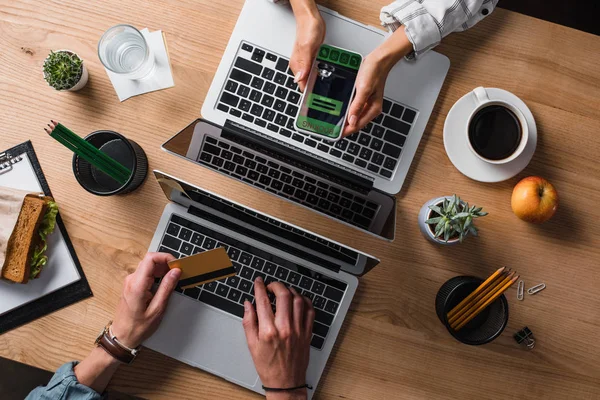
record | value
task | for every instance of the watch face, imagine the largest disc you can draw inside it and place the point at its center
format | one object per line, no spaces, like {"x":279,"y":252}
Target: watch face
{"x":100,"y":335}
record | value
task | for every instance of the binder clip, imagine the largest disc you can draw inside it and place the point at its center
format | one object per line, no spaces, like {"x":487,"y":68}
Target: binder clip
{"x":525,"y":336}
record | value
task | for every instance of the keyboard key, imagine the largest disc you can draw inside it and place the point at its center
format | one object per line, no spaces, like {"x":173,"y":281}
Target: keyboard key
{"x":396,"y":125}
{"x":348,"y":157}
{"x":308,"y":294}
{"x":390,"y":163}
{"x":373,"y":168}
{"x":378,"y":119}
{"x":234,"y":295}
{"x":173,"y":229}
{"x":306,"y":283}
{"x":285,"y":132}
{"x":247,"y":47}
{"x":323,"y":317}
{"x":246,"y":297}
{"x":257,"y":83}
{"x":245,"y":105}
{"x":394,"y":138}
{"x":262,"y":168}
{"x":187,"y":249}
{"x":271,"y":57}
{"x":209,"y":243}
{"x":222,"y":290}
{"x":290,"y":84}
{"x":297,"y":183}
{"x":391,"y":150}
{"x":163,"y":249}
{"x":245,"y":258}
{"x":318,"y":287}
{"x":377,"y":159}
{"x":280,"y":106}
{"x":323,"y":147}
{"x":243,"y":91}
{"x":378,"y":131}
{"x":364,"y":139}
{"x":397,"y":110}
{"x":281,"y":119}
{"x":273,"y":173}
{"x":247,"y":272}
{"x":171,"y":242}
{"x":280,"y":78}
{"x":273,"y":128}
{"x":268,"y":115}
{"x":248,"y":117}
{"x":293,"y":278}
{"x":230,"y":99}
{"x":235,"y":113}
{"x":240,"y":76}
{"x":282,"y":65}
{"x":289,"y":190}
{"x":360,"y":163}
{"x":222,"y":107}
{"x":367,"y":212}
{"x":281,"y":92}
{"x":231,"y":86}
{"x":365,"y":153}
{"x":221,"y":303}
{"x":258,"y":274}
{"x":269,"y":87}
{"x":367,"y":128}
{"x":241,"y":170}
{"x":316,"y":342}
{"x":341,"y":144}
{"x":260,"y":122}
{"x":258,"y":55}
{"x":192,"y":292}
{"x":310,"y":142}
{"x":376,"y":144}
{"x":255,"y":95}
{"x":267,"y":100}
{"x":293,"y":97}
{"x":291,"y":110}
{"x":300,"y":194}
{"x":386,"y":106}
{"x":312,"y":199}
{"x":319,"y":302}
{"x":245,"y":286}
{"x":409,"y":116}
{"x":281,"y":273}
{"x":333,"y":294}
{"x":269,"y":268}
{"x":265,"y":180}
{"x":277,"y":185}
{"x":320,"y":329}
{"x":211,"y":286}
{"x":353,"y":149}
{"x":229,"y":166}
{"x":268,"y":73}
{"x":335,"y":153}
{"x":233,"y":281}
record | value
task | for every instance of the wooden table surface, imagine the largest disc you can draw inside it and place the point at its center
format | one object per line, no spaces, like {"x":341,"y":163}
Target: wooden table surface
{"x":392,"y":345}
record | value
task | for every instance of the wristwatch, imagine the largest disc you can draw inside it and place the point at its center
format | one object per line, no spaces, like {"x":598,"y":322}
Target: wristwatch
{"x":112,"y":346}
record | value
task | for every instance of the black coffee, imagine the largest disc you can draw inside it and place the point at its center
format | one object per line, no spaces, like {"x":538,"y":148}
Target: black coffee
{"x":495,"y":132}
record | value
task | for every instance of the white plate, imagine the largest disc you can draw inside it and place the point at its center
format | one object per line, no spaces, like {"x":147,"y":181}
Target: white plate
{"x":457,"y":148}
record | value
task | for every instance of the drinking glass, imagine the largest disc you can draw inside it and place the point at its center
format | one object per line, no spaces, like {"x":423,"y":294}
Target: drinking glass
{"x":124,"y":50}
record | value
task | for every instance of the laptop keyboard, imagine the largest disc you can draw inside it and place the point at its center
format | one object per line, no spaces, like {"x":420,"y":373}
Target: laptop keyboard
{"x":260,"y":90}
{"x":281,"y":179}
{"x":183,"y":238}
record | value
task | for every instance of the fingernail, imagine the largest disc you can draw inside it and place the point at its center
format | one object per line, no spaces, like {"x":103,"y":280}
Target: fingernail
{"x":175,"y":273}
{"x":259,"y":279}
{"x":298,"y":76}
{"x":352,"y":120}
{"x":246,"y":306}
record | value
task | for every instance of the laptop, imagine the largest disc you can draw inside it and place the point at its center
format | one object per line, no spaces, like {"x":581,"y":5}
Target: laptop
{"x":252,"y":103}
{"x":203,"y":325}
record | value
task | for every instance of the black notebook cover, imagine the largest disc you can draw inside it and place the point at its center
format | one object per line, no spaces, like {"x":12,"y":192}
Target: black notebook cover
{"x":62,"y":297}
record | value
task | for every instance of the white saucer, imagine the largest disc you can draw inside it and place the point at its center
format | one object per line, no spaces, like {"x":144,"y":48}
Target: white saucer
{"x":457,"y":148}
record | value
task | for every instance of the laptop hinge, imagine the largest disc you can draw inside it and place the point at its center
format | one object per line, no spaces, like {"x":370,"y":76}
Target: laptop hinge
{"x":299,"y":158}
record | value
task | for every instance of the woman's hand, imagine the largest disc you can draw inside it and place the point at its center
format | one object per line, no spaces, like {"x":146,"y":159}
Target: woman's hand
{"x":280,"y":342}
{"x":310,"y":32}
{"x":139,"y":311}
{"x":370,"y":82}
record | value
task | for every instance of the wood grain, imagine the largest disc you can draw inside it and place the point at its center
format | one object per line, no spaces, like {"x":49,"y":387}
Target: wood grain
{"x":392,"y":344}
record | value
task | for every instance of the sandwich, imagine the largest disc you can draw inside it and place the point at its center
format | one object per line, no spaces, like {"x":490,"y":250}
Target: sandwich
{"x":26,"y":247}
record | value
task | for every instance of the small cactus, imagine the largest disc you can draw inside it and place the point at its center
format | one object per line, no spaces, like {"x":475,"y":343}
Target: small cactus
{"x":62,"y":69}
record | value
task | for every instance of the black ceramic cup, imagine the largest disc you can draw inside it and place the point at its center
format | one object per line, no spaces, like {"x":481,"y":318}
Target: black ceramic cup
{"x":482,"y":329}
{"x":123,"y":150}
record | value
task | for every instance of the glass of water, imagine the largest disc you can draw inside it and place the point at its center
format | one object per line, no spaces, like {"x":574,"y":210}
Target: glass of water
{"x":124,"y":50}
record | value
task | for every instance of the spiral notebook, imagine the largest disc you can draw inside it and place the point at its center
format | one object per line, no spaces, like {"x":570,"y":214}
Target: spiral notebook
{"x":62,"y":281}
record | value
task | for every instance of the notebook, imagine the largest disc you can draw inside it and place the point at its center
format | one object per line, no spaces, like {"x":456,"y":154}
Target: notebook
{"x":62,"y":281}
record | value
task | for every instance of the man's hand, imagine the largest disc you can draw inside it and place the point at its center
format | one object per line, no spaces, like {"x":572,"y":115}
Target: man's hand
{"x":280,"y":343}
{"x":370,"y":82}
{"x":310,"y":32}
{"x":139,"y":311}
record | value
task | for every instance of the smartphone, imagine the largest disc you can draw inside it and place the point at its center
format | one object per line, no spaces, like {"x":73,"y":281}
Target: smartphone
{"x":329,"y":90}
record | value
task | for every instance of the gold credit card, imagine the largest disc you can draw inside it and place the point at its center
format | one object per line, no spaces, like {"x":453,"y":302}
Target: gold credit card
{"x":203,"y":268}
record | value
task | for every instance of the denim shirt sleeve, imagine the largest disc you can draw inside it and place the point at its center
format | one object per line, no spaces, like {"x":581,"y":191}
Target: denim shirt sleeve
{"x":64,"y":385}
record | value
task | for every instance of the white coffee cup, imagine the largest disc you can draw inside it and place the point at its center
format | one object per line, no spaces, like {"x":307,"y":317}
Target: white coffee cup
{"x":482,"y":100}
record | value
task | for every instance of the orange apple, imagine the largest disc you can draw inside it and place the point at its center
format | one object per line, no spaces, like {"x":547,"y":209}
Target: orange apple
{"x":534,"y":200}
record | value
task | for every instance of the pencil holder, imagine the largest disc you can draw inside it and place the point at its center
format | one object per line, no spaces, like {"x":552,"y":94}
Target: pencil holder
{"x":482,"y":329}
{"x":123,"y":150}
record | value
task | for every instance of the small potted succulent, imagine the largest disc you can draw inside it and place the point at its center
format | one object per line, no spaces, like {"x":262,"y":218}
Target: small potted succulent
{"x":448,"y":220}
{"x":64,"y":71}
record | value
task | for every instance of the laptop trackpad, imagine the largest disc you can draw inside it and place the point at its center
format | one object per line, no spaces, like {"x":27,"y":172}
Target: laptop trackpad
{"x":206,"y":338}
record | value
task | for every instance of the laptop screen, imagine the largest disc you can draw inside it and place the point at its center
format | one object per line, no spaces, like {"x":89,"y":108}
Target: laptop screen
{"x":266,"y":229}
{"x":302,"y":178}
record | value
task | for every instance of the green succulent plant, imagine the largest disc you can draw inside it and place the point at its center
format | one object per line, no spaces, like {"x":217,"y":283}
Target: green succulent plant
{"x":62,"y":70}
{"x":455,"y":218}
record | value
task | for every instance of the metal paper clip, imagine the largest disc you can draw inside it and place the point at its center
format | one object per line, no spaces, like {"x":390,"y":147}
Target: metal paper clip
{"x":520,"y":287}
{"x":537,"y":288}
{"x":525,"y":336}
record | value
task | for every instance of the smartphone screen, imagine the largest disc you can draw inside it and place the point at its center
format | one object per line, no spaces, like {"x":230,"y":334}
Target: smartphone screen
{"x":328,"y":92}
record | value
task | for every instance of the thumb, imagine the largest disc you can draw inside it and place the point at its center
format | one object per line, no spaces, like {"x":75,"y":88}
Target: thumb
{"x":250,"y":324}
{"x":167,"y":285}
{"x":357,"y":106}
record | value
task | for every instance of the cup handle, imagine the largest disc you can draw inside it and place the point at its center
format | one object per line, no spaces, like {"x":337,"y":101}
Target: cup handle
{"x":480,"y":95}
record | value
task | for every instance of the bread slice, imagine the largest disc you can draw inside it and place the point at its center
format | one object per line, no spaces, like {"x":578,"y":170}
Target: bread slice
{"x":22,"y":240}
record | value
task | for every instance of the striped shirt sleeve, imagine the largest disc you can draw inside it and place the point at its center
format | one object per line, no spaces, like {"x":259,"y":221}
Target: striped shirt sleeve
{"x":427,"y":22}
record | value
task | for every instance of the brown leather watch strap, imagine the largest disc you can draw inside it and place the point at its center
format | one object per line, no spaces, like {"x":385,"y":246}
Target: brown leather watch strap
{"x":114,"y":349}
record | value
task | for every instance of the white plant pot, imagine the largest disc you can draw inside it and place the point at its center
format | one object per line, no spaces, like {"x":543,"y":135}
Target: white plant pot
{"x":424,"y":215}
{"x":82,"y":80}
